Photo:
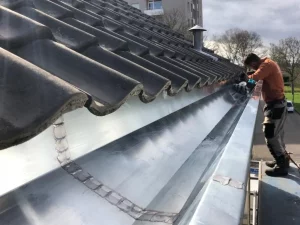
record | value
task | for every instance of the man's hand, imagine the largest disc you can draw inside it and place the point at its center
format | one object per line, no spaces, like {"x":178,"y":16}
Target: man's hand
{"x":249,"y":74}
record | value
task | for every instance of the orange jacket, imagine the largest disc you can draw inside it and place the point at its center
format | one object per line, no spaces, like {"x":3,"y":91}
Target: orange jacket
{"x":270,"y":73}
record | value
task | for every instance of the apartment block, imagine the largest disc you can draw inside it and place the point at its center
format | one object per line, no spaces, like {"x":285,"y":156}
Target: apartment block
{"x":191,"y":9}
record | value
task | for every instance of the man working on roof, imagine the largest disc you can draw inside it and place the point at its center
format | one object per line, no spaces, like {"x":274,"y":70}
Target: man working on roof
{"x":275,"y":111}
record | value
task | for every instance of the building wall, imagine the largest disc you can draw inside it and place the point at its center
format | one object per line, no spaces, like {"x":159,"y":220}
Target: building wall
{"x":193,"y":14}
{"x":173,"y":4}
{"x":200,"y":13}
{"x":142,"y":4}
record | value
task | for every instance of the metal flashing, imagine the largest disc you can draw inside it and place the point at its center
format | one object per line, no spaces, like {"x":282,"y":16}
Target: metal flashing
{"x":224,"y":203}
{"x":140,"y":170}
{"x":37,"y":157}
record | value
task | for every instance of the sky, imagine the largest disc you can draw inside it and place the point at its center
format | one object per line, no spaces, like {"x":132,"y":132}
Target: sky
{"x":272,"y":19}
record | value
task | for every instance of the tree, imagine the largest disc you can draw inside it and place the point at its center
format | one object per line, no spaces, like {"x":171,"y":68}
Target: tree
{"x":175,"y":19}
{"x":287,"y":54}
{"x":235,"y":44}
{"x":210,"y":43}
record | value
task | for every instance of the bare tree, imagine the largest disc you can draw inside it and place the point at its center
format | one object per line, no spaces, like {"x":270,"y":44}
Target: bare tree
{"x":287,"y":55}
{"x":176,"y":20}
{"x":210,"y":43}
{"x":235,"y":44}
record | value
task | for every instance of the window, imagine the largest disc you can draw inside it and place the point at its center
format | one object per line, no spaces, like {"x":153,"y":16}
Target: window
{"x":154,"y":4}
{"x":136,"y":5}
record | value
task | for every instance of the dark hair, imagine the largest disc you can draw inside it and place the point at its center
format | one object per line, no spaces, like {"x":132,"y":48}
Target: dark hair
{"x":251,"y":58}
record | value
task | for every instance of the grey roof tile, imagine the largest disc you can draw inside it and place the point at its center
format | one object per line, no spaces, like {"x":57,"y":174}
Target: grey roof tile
{"x":182,"y":64}
{"x":78,"y":40}
{"x":11,"y":4}
{"x":178,"y":82}
{"x":16,"y":30}
{"x":154,"y":84}
{"x":99,"y":81}
{"x":105,"y":39}
{"x":50,"y":9}
{"x":28,"y":103}
{"x":134,"y":47}
{"x":193,"y":79}
{"x":80,"y":15}
{"x":68,"y":35}
{"x":96,"y":53}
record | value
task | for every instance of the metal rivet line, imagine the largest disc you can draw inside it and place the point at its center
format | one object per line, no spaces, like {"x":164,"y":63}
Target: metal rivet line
{"x":61,"y":142}
{"x":114,"y":198}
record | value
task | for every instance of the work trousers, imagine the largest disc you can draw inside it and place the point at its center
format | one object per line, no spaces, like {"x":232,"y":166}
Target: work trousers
{"x":273,"y":126}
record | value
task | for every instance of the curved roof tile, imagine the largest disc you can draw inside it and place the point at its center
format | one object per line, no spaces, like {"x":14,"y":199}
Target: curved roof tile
{"x":28,"y":104}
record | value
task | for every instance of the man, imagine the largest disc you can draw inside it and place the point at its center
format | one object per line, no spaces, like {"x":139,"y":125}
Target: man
{"x":275,"y":111}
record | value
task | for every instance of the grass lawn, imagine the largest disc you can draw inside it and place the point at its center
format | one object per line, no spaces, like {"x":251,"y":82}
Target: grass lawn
{"x":289,"y":96}
{"x":288,"y":89}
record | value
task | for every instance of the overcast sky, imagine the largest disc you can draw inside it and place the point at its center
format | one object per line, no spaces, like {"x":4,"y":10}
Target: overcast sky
{"x":272,"y":19}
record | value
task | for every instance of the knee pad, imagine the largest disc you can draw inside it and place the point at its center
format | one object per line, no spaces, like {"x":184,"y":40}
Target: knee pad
{"x":269,"y":130}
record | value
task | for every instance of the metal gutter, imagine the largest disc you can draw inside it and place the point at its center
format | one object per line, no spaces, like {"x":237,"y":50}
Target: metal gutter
{"x":167,"y":172}
{"x":224,"y":198}
{"x":86,"y":133}
{"x":158,"y":169}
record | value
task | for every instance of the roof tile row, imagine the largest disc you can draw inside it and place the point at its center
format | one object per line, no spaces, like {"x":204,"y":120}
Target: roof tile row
{"x":64,"y":54}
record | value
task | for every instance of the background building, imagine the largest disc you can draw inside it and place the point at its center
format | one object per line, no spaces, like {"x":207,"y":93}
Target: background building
{"x":190,"y":9}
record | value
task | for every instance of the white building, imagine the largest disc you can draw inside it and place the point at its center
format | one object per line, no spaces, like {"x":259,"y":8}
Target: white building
{"x":192,"y":9}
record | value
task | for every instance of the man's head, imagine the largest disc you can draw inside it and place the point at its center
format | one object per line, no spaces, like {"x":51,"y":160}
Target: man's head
{"x":253,"y":61}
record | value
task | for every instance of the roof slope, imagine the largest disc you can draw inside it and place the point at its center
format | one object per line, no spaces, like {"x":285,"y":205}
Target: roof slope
{"x":58,"y":55}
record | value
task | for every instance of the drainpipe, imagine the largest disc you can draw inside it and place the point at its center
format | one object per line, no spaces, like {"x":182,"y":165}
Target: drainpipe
{"x":198,"y":40}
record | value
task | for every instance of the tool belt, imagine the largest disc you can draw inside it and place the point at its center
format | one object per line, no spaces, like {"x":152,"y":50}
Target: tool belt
{"x":275,"y":109}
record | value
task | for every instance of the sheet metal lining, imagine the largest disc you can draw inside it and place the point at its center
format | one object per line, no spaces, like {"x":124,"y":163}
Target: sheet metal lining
{"x":137,"y":167}
{"x":226,"y":202}
{"x":86,"y":133}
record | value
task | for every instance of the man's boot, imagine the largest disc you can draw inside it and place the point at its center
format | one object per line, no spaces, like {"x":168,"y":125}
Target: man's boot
{"x":273,"y":163}
{"x":281,"y":168}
